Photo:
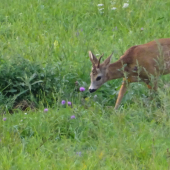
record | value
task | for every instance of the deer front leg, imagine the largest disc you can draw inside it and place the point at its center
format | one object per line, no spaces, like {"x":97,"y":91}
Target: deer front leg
{"x":121,"y":94}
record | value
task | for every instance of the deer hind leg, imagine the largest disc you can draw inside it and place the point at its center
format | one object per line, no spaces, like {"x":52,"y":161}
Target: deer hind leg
{"x":147,"y":83}
{"x":154,"y":86}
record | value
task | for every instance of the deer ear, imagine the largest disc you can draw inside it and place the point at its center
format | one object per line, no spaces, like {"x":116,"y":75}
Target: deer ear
{"x":93,"y":59}
{"x":107,"y":61}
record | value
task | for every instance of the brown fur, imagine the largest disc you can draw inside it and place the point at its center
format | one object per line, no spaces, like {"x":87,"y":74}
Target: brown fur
{"x":138,"y":63}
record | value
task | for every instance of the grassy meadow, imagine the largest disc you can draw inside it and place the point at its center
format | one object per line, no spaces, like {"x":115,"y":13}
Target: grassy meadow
{"x":44,"y":59}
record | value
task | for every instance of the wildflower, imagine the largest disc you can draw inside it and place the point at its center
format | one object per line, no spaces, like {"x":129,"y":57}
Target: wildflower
{"x":95,"y":96}
{"x":69,"y":103}
{"x":4,"y":119}
{"x":141,"y":29}
{"x":63,"y":102}
{"x":101,"y":9}
{"x":56,"y":44}
{"x":130,"y":32}
{"x":114,"y":29}
{"x":113,"y":3}
{"x":125,"y":5}
{"x":78,"y":153}
{"x":77,"y":33}
{"x":82,"y":89}
{"x":73,"y":117}
{"x":45,"y":110}
{"x":84,"y":166}
{"x":101,"y":155}
{"x":25,"y":113}
{"x":114,"y":8}
{"x":87,"y":99}
{"x":100,"y":5}
{"x":135,"y":68}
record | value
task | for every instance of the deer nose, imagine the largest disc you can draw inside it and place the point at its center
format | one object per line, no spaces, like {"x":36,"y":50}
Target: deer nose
{"x":92,"y":90}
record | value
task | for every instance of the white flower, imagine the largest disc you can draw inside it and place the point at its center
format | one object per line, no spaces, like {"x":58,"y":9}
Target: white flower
{"x":25,"y":113}
{"x":114,"y":8}
{"x":95,"y":96}
{"x":101,"y":9}
{"x":112,"y":3}
{"x":125,"y":5}
{"x":130,"y":32}
{"x":100,"y":5}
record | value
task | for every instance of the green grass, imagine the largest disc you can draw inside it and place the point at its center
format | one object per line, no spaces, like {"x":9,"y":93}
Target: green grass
{"x":44,"y":51}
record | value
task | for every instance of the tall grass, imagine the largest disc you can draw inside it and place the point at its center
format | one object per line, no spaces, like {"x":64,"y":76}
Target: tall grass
{"x":44,"y":60}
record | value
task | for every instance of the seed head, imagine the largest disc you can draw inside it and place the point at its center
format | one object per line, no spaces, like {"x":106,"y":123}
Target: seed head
{"x":76,"y":83}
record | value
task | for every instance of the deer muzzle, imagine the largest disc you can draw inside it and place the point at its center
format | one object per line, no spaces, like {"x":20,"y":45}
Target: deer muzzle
{"x":92,"y":90}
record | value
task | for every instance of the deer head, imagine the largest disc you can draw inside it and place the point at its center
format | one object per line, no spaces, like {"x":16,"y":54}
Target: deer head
{"x":99,"y":72}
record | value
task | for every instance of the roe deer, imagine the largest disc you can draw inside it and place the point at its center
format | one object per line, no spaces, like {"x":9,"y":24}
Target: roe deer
{"x":139,"y":62}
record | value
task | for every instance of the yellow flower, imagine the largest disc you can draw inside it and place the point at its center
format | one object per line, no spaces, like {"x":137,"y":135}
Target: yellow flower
{"x":87,"y":99}
{"x":56,"y":44}
{"x":84,"y":166}
{"x":101,"y":155}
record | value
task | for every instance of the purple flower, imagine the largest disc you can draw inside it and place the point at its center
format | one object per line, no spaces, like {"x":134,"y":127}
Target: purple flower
{"x":73,"y":117}
{"x":141,"y":29}
{"x":114,"y":29}
{"x":63,"y":102}
{"x":69,"y":103}
{"x":45,"y":110}
{"x":78,"y":153}
{"x":4,"y":119}
{"x":77,"y":33}
{"x":82,"y":89}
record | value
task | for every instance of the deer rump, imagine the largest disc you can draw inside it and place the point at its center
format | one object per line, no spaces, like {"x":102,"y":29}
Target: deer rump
{"x":138,"y":63}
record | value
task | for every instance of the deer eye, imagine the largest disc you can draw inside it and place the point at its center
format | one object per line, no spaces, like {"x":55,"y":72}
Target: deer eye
{"x":98,"y":78}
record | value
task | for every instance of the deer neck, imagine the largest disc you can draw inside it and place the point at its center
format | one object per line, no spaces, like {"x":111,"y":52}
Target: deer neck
{"x":115,"y":70}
